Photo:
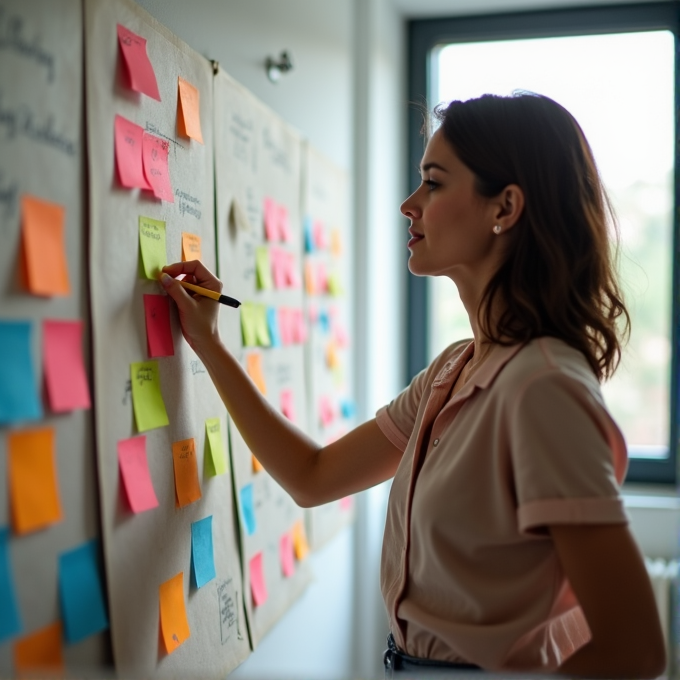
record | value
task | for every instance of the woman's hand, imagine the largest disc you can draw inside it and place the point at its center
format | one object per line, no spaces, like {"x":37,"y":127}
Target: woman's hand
{"x":197,"y":313}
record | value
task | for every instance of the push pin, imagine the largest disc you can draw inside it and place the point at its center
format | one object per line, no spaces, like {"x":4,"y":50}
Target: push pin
{"x":276,"y":68}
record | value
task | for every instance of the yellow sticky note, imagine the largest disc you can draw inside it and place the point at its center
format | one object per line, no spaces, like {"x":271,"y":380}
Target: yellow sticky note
{"x":189,"y":118}
{"x":152,"y":246}
{"x":257,"y":466}
{"x":40,"y":651}
{"x":174,"y":623}
{"x":33,"y":479}
{"x":45,"y":264}
{"x":336,"y":242}
{"x":300,"y":540}
{"x":263,"y":268}
{"x":191,"y":247}
{"x":213,"y":430}
{"x":147,"y":399}
{"x":254,"y":369}
{"x":187,"y":486}
{"x":334,"y":285}
{"x":249,"y":323}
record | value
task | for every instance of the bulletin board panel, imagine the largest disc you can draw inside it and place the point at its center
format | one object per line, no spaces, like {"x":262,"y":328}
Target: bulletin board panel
{"x":258,"y":162}
{"x":328,"y":353}
{"x":151,"y":565}
{"x":42,"y":140}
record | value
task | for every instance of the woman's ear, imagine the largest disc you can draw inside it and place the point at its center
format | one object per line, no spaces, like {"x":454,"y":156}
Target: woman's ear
{"x":509,"y":206}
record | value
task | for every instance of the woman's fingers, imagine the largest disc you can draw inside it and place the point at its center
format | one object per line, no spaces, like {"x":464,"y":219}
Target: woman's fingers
{"x":202,"y":275}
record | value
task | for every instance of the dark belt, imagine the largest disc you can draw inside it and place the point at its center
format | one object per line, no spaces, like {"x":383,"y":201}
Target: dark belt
{"x":397,"y":662}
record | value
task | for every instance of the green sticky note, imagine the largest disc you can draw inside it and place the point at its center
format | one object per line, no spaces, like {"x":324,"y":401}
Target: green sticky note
{"x":152,"y":246}
{"x":334,"y":285}
{"x":263,"y":268}
{"x":262,"y":327}
{"x":213,"y":429}
{"x":249,"y":323}
{"x":147,"y":399}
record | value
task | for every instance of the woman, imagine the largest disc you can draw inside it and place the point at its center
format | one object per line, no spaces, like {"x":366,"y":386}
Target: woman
{"x":506,"y":544}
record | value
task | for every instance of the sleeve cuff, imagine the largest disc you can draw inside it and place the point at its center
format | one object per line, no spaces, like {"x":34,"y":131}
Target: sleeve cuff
{"x":571,"y":511}
{"x":390,"y":430}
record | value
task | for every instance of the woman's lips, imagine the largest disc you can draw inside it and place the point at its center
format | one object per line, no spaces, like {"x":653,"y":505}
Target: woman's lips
{"x":415,"y":237}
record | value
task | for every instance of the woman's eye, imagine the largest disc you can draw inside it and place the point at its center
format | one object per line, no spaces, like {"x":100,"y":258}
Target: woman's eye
{"x":431,"y":184}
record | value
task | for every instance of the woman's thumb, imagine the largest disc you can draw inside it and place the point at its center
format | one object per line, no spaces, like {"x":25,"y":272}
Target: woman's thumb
{"x":174,"y":290}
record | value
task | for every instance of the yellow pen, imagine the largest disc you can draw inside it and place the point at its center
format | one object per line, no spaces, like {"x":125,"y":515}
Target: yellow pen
{"x":214,"y":295}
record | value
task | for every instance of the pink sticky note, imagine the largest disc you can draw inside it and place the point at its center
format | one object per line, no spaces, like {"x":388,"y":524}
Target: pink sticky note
{"x":326,"y":412}
{"x":287,"y":556}
{"x":271,"y":222}
{"x":284,"y":223}
{"x":67,"y":387}
{"x":288,"y":404}
{"x":320,"y":239}
{"x":279,"y":266}
{"x":158,"y":332}
{"x":292,"y":273}
{"x":155,"y":154}
{"x":134,"y":469}
{"x":340,"y":334}
{"x":128,"y":144}
{"x":257,"y":585}
{"x":312,"y":314}
{"x":321,"y":278}
{"x":299,"y":326}
{"x":286,"y":326}
{"x":140,"y":72}
{"x":346,"y":503}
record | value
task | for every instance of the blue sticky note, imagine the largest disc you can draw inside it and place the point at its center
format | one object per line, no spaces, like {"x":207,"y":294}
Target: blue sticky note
{"x":309,"y":235}
{"x":203,"y":561}
{"x":273,"y":324}
{"x":248,"y":508}
{"x":10,"y":622}
{"x":18,"y":389}
{"x":347,"y":408}
{"x":81,"y":593}
{"x":324,"y":321}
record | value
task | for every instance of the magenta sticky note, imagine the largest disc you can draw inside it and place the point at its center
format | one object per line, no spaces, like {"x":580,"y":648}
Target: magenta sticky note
{"x":65,"y":377}
{"x":320,"y":240}
{"x":346,"y":503}
{"x":299,"y":326}
{"x":279,"y":259}
{"x":286,"y":555}
{"x":312,"y":314}
{"x":286,"y":326}
{"x":258,"y":587}
{"x":292,"y":273}
{"x":285,"y":231}
{"x":134,"y":470}
{"x":271,"y":219}
{"x":141,"y":76}
{"x":288,"y":404}
{"x":155,"y":156}
{"x":326,"y":412}
{"x":158,"y":332}
{"x":128,"y":145}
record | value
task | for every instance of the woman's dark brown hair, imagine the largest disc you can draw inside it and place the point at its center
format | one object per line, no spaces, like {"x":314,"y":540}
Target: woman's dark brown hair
{"x":558,"y":278}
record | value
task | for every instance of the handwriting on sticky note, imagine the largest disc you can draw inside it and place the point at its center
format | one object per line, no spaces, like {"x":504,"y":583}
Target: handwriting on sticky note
{"x":258,"y":586}
{"x":40,"y":651}
{"x":43,"y":247}
{"x":256,"y":465}
{"x":255,"y":371}
{"x":273,"y":326}
{"x":18,"y":389}
{"x":152,"y":246}
{"x":141,"y":76}
{"x":263,"y":268}
{"x":135,"y":473}
{"x":189,"y":114}
{"x":174,"y":623}
{"x":155,"y":159}
{"x":202,"y":557}
{"x":81,"y":592}
{"x":187,"y":486}
{"x":128,"y":146}
{"x":248,"y":509}
{"x":191,"y":247}
{"x":288,"y":404}
{"x":271,"y":219}
{"x":10,"y":619}
{"x":213,"y":430}
{"x":34,"y":492}
{"x":67,"y":386}
{"x":300,"y":540}
{"x":147,"y":399}
{"x":286,"y":555}
{"x":158,"y":331}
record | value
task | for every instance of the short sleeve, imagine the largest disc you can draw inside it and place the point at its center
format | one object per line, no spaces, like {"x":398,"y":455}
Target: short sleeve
{"x":568,"y":455}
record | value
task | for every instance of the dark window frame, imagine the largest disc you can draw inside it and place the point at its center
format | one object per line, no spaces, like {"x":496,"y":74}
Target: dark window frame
{"x":423,"y":36}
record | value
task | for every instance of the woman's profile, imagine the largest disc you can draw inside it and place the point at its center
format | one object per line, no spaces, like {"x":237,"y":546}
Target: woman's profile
{"x":506,"y":545}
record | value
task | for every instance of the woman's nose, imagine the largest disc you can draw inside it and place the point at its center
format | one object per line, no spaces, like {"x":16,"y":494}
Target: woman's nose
{"x":409,"y":208}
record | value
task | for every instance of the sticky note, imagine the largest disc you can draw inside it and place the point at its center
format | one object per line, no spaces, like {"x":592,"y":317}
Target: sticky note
{"x":271,"y":219}
{"x":128,"y":147}
{"x":324,"y":321}
{"x":248,"y":509}
{"x":155,"y":159}
{"x":152,"y":246}
{"x":340,"y":334}
{"x":40,"y":651}
{"x":332,"y":359}
{"x":33,"y":481}
{"x":347,"y":408}
{"x":300,"y":540}
{"x":67,"y":386}
{"x":213,"y":430}
{"x":134,"y":471}
{"x":286,"y":555}
{"x":279,"y":266}
{"x":336,"y":242}
{"x":249,"y":324}
{"x":174,"y":623}
{"x":10,"y":620}
{"x":202,"y":558}
{"x":346,"y":503}
{"x":286,"y":326}
{"x":285,"y":231}
{"x":187,"y":486}
{"x":308,"y":234}
{"x":310,"y":278}
{"x":312,"y":313}
{"x":191,"y":247}
{"x":18,"y":390}
{"x":263,"y":268}
{"x":292,"y":273}
{"x":158,"y":331}
{"x":273,"y":326}
{"x":257,"y":466}
{"x":288,"y":404}
{"x":299,"y":326}
{"x":321,"y":279}
{"x":189,"y":114}
{"x":255,"y":371}
{"x":43,"y":246}
{"x":262,"y":326}
{"x":326,"y":412}
{"x":147,"y":399}
{"x":258,"y":587}
{"x":81,"y":593}
{"x":320,"y":240}
{"x":141,"y":76}
{"x":334,"y":285}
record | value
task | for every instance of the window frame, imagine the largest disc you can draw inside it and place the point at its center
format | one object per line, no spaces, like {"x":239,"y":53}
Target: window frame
{"x":426,"y":34}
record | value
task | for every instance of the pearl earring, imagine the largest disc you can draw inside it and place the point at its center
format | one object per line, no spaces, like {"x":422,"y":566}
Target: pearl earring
{"x":497,"y":229}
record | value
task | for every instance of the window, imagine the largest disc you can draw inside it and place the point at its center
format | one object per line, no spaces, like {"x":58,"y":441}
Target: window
{"x":614,"y":69}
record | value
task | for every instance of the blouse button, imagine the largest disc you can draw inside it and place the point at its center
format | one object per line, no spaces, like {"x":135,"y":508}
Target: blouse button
{"x":435,"y":442}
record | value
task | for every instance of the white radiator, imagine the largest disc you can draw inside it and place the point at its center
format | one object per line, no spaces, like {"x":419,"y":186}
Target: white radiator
{"x":664,"y":577}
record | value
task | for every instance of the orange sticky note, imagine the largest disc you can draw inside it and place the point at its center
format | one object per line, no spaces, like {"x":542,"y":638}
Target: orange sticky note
{"x":33,"y":479}
{"x":336,"y":242}
{"x":254,"y":370}
{"x":258,"y":587}
{"x":191,"y":247}
{"x":43,"y":242}
{"x":189,"y":114}
{"x":310,"y":278}
{"x":186,"y":472}
{"x":257,"y":466}
{"x":174,"y":623}
{"x":300,"y":541}
{"x":40,"y":651}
